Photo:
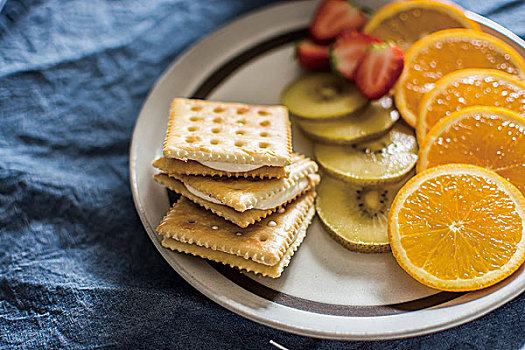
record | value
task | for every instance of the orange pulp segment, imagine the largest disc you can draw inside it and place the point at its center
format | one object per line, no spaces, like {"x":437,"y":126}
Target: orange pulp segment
{"x":440,"y":53}
{"x":405,"y":22}
{"x":458,"y":227}
{"x":469,"y":87}
{"x":490,"y":137}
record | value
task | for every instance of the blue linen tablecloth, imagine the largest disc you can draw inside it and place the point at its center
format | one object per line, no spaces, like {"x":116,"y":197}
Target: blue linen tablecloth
{"x":76,"y":267}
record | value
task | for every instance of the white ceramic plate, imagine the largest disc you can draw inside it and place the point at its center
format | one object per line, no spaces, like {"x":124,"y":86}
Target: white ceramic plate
{"x":327,"y":291}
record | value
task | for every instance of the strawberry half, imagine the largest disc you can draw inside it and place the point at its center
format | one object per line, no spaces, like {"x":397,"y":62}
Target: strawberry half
{"x":348,"y":51}
{"x":333,"y":17}
{"x":312,"y":56}
{"x":379,"y":70}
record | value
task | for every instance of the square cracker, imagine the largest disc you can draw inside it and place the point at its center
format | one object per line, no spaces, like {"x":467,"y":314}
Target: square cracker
{"x":241,"y":263}
{"x":243,"y":194}
{"x":264,"y":242}
{"x":228,"y":132}
{"x":241,"y":219}
{"x":191,"y":167}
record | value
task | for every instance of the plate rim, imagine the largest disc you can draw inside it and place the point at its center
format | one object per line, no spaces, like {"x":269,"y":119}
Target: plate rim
{"x":486,"y":307}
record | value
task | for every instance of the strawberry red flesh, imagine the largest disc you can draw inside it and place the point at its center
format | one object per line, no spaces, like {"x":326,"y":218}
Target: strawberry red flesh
{"x":379,"y":70}
{"x":334,"y":17}
{"x":312,"y":56}
{"x":348,"y":51}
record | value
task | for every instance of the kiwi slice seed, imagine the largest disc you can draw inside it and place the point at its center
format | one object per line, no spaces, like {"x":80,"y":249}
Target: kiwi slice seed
{"x":357,"y":216}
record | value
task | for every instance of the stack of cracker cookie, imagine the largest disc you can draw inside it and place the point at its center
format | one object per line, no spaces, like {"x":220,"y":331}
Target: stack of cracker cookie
{"x":246,"y":200}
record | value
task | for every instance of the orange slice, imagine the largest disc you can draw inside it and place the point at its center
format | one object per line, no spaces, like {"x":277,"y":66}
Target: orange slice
{"x":405,"y":22}
{"x":491,"y":137}
{"x":430,"y":58}
{"x":469,"y":87}
{"x":458,"y":227}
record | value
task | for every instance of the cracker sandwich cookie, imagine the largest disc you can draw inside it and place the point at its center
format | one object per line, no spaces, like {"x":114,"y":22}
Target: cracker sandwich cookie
{"x":245,"y":201}
{"x":226,"y":139}
{"x":264,"y":248}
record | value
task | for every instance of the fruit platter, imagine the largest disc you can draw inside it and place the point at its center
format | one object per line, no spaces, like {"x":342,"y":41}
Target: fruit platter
{"x":413,"y":112}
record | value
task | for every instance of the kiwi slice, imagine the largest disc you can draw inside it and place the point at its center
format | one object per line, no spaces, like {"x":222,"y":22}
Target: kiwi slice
{"x":373,"y":121}
{"x":320,"y":96}
{"x":356,"y":216}
{"x":382,"y":160}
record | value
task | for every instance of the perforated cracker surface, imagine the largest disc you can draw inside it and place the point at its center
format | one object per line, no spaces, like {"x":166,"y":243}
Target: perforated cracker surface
{"x":264,"y":242}
{"x":241,"y":263}
{"x":228,"y":132}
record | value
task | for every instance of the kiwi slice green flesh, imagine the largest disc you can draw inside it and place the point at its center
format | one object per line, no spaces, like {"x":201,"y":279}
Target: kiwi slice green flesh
{"x":322,"y":96}
{"x":355,"y":216}
{"x":382,"y":160}
{"x":372,"y":121}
